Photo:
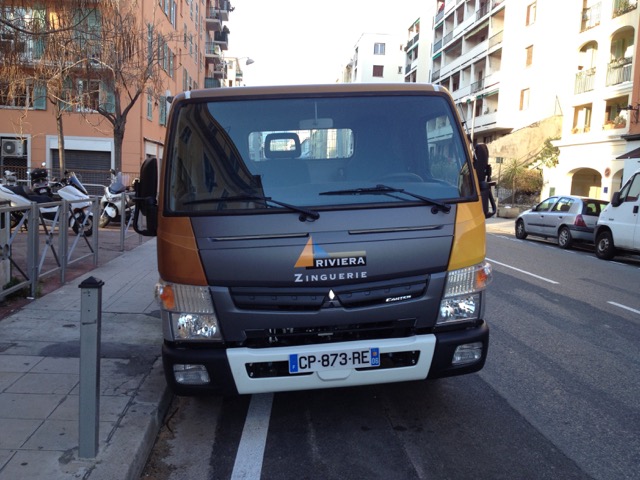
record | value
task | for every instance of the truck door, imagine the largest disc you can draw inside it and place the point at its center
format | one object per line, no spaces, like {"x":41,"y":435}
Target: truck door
{"x":626,"y":226}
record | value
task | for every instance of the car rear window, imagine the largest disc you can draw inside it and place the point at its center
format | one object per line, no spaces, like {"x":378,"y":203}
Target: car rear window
{"x":593,"y":207}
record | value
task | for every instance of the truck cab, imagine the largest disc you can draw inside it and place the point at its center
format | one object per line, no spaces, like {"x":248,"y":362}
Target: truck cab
{"x":618,"y":227}
{"x":314,"y":237}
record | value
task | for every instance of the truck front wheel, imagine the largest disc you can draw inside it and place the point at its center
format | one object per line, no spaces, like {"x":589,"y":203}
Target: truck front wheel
{"x":604,"y":245}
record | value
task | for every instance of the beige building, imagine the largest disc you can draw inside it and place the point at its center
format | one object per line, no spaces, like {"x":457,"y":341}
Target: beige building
{"x":523,"y":71}
{"x":193,"y":58}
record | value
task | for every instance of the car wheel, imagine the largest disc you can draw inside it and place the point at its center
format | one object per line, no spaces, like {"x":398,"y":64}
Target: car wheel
{"x":604,"y":246}
{"x":521,"y":233}
{"x":564,"y":238}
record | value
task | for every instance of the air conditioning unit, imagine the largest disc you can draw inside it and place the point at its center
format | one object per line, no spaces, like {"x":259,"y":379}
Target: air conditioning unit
{"x":12,"y":148}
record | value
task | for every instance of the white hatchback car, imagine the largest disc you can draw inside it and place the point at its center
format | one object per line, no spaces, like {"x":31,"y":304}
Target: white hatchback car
{"x":568,"y":218}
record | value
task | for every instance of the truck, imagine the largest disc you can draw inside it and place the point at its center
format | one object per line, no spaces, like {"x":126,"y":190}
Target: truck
{"x":316,"y":236}
{"x":618,"y":228}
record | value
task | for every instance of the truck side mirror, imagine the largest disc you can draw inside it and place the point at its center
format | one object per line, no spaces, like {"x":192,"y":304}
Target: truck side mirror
{"x":145,"y":217}
{"x":615,"y":200}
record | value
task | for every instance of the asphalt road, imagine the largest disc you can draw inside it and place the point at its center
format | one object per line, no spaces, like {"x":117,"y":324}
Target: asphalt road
{"x":558,"y":397}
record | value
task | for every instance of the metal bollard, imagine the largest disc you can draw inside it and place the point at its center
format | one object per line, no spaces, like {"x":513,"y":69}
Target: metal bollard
{"x":90,"y":319}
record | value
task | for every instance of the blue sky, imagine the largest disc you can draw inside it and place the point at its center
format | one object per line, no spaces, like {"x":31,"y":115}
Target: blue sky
{"x":308,"y":41}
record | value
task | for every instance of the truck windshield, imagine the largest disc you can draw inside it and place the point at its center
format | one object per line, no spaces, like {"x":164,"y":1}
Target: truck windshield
{"x":224,"y":154}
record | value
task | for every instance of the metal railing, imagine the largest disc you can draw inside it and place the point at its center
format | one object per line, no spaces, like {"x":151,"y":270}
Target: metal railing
{"x":46,"y":239}
{"x":36,"y":247}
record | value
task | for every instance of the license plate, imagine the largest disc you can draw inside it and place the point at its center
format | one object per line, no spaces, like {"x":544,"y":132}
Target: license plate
{"x":316,"y":362}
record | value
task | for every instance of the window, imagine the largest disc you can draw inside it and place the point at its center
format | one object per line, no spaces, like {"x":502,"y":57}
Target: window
{"x":524,"y":99}
{"x":378,"y":48}
{"x":582,"y":119}
{"x":88,"y":94}
{"x":529,"y":51}
{"x":378,"y":70}
{"x":531,"y":14}
{"x":162,"y":117}
{"x":149,"y":105}
{"x":631,"y":191}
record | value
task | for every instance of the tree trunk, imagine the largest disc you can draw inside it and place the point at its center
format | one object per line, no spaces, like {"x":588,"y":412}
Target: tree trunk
{"x":60,"y":142}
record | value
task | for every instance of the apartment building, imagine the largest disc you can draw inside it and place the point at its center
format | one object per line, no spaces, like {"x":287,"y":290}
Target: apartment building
{"x":598,"y":124}
{"x":377,"y":58}
{"x":191,"y":56}
{"x":523,"y":71}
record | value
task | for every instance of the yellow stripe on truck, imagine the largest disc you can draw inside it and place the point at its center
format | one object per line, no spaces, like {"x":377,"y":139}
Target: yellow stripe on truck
{"x":178,"y":257}
{"x":469,"y":236}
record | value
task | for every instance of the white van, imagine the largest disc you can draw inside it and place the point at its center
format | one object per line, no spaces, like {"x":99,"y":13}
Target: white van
{"x":618,"y":228}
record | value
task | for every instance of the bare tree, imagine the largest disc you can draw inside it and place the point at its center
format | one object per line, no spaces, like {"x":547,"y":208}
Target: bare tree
{"x":86,"y":57}
{"x":43,"y":55}
{"x":127,"y":57}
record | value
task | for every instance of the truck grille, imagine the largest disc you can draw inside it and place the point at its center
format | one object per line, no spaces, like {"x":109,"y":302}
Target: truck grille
{"x":311,"y":299}
{"x":286,"y":337}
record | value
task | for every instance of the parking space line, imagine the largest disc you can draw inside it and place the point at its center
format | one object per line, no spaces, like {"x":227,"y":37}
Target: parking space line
{"x":524,"y":271}
{"x":248,"y":464}
{"x":624,"y":307}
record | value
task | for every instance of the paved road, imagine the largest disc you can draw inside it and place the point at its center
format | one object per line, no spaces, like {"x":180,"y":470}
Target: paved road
{"x":557,"y":398}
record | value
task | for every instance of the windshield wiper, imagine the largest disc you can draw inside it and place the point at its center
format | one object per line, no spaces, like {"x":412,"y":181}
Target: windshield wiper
{"x":386,"y":190}
{"x":305,"y":213}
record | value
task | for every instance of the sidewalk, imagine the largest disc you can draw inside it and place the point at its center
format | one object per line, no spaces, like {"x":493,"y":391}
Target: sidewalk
{"x":39,"y":377}
{"x":501,"y":225}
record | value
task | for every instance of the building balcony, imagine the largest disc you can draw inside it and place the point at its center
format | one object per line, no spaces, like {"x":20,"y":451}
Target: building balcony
{"x":482,"y":11}
{"x":477,"y":86}
{"x":590,"y":17}
{"x":620,"y":7}
{"x":496,"y":40}
{"x":223,"y":7}
{"x":619,"y":71}
{"x":221,"y":39}
{"x":210,"y":82}
{"x":437,"y":45}
{"x":584,"y":81}
{"x":212,"y":53}
{"x":213,"y":20}
{"x":411,"y":43}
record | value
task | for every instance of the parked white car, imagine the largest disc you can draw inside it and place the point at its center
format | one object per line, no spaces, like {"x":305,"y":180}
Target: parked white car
{"x":618,"y":228}
{"x":568,"y":218}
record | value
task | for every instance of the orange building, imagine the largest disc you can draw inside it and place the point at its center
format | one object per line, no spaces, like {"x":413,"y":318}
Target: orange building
{"x":192,"y":58}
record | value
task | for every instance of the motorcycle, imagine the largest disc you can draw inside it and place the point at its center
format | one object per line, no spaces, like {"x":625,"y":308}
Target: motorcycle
{"x":69,"y":188}
{"x":111,"y":202}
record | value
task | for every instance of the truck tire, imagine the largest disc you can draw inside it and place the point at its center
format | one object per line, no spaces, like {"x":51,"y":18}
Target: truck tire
{"x":604,"y":245}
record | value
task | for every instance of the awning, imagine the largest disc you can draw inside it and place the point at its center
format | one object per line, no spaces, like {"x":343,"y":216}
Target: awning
{"x":635,"y":153}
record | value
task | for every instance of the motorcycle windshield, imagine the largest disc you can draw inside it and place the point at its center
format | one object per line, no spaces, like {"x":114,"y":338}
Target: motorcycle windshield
{"x":73,"y":180}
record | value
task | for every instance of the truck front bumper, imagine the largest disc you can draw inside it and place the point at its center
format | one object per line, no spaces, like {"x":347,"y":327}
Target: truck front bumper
{"x":258,"y":370}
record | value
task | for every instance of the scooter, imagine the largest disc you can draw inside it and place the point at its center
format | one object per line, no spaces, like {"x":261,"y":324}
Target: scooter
{"x":111,"y":201}
{"x":42,"y":191}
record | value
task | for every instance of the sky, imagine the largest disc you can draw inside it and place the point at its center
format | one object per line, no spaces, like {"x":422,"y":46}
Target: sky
{"x":309,"y":41}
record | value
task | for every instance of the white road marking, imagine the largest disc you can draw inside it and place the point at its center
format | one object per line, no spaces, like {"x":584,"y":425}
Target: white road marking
{"x":625,"y":307}
{"x":524,"y":271}
{"x":248,"y":464}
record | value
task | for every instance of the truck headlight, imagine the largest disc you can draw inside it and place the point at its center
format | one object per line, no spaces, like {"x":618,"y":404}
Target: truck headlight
{"x":461,"y":299}
{"x":190,"y":311}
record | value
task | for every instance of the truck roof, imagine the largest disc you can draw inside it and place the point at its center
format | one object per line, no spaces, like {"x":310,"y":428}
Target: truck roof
{"x":312,"y":90}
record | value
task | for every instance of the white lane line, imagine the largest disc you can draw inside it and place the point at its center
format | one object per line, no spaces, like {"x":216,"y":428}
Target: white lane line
{"x":625,"y":307}
{"x":524,"y":271}
{"x":248,"y":464}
